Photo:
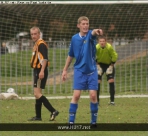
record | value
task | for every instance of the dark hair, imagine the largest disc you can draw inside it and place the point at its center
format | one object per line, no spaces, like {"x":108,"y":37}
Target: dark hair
{"x":102,"y":37}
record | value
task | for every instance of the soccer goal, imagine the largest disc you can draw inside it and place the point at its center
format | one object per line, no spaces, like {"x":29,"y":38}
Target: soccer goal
{"x":125,"y":24}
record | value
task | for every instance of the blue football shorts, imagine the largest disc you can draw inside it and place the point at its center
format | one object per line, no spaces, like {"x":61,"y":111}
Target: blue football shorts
{"x":85,"y":81}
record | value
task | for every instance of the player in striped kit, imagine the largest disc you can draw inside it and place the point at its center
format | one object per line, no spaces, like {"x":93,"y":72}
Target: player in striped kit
{"x":39,"y":63}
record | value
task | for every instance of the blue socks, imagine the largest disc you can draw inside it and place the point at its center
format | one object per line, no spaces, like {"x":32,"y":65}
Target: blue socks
{"x":93,"y":108}
{"x":94,"y":112}
{"x":72,"y":112}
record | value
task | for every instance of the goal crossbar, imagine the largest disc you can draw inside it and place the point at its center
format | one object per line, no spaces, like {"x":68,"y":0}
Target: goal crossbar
{"x":77,"y":2}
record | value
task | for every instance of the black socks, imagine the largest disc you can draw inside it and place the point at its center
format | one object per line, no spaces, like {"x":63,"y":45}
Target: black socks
{"x":98,"y":92}
{"x":47,"y":104}
{"x":38,"y":106}
{"x":112,"y":91}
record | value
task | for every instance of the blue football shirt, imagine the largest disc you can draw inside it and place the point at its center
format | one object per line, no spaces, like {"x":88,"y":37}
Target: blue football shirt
{"x":83,"y":49}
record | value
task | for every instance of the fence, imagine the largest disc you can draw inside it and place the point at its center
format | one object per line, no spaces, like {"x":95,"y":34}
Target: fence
{"x":131,"y":69}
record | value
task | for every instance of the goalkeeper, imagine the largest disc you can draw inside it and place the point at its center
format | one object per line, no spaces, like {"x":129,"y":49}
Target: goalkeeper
{"x":106,"y":57}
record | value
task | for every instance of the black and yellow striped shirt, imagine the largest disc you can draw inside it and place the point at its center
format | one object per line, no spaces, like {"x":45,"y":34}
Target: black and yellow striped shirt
{"x":40,"y":53}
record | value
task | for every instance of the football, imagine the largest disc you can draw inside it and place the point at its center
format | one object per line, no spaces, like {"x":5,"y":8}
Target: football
{"x":10,"y":90}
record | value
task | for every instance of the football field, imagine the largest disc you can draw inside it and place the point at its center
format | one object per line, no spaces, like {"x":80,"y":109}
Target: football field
{"x":126,"y":110}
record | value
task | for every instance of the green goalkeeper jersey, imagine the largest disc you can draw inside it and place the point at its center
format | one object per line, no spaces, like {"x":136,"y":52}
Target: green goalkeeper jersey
{"x":106,"y":55}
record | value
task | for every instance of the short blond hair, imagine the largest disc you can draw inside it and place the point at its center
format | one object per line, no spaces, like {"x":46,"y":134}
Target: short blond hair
{"x":35,"y":27}
{"x":82,"y":18}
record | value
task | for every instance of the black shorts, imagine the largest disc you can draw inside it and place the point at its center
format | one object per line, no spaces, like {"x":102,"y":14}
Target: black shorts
{"x":36,"y":77}
{"x":104,"y":68}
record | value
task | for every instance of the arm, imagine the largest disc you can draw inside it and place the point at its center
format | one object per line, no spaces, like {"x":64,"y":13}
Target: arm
{"x":44,"y":64}
{"x":114,"y":56}
{"x":100,"y":71}
{"x":97,"y":50}
{"x":97,"y":32}
{"x":43,"y":58}
{"x":67,"y":64}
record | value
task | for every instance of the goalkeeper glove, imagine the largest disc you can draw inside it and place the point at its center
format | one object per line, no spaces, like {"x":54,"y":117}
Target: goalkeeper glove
{"x":109,"y":70}
{"x":99,"y":70}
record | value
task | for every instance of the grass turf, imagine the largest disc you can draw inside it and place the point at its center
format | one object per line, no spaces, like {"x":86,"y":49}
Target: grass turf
{"x":126,"y":110}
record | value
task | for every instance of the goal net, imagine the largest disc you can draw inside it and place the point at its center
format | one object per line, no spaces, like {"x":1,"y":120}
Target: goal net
{"x":124,"y":24}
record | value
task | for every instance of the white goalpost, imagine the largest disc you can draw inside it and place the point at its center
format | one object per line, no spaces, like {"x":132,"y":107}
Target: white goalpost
{"x":125,"y":23}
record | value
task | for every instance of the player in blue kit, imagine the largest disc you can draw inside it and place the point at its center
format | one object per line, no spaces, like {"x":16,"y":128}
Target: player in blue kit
{"x":83,"y":49}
